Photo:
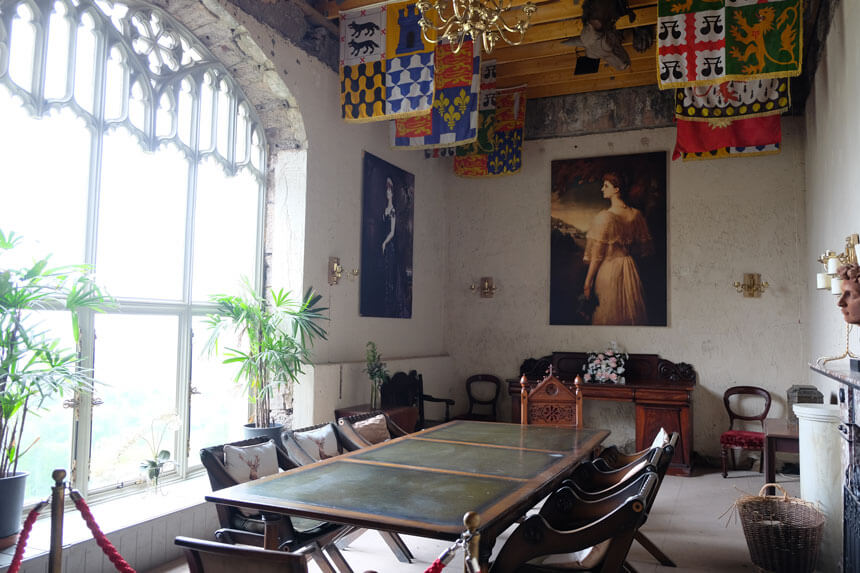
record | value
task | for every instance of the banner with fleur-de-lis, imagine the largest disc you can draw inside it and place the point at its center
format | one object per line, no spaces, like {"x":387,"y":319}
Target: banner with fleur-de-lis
{"x":454,"y":117}
{"x":499,"y":147}
{"x":703,"y":42}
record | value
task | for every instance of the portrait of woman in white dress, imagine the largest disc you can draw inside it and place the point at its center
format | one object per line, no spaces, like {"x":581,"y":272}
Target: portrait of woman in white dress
{"x":615,"y":235}
{"x":608,"y":260}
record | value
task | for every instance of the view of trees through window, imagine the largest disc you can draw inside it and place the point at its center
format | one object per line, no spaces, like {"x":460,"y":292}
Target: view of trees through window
{"x":126,"y":146}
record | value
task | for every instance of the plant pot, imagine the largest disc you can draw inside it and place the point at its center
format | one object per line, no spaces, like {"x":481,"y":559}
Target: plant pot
{"x":12,"y":493}
{"x":273,"y":432}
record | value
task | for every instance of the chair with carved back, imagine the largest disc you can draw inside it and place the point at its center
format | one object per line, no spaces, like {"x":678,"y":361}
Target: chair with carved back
{"x":483,"y":392}
{"x":550,"y":402}
{"x":246,"y":527}
{"x":404,"y":389}
{"x":744,"y":439}
{"x":322,"y":441}
{"x":596,"y":479}
{"x":574,"y":533}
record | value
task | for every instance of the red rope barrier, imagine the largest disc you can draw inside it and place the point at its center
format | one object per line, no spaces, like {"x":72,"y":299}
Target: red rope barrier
{"x":109,"y":550}
{"x":436,"y":567}
{"x":22,"y":537}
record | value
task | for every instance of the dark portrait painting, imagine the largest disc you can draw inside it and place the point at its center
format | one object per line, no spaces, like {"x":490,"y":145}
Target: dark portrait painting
{"x":608,"y":241}
{"x":386,"y":239}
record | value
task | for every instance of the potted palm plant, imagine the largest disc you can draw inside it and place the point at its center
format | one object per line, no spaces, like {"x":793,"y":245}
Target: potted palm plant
{"x":34,"y":366}
{"x":277,"y":334}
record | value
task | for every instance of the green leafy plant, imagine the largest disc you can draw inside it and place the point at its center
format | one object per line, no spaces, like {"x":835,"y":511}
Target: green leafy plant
{"x":277,"y":332}
{"x":33,"y":364}
{"x":158,"y":429}
{"x":376,"y":371}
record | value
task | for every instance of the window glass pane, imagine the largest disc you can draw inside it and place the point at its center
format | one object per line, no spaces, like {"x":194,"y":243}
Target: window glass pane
{"x":225,"y":230}
{"x":141,"y":219}
{"x":136,"y":363}
{"x":46,"y":206}
{"x":23,"y":46}
{"x":218,"y":405}
{"x":56,"y":72}
{"x":48,"y":430}
{"x":85,"y":63}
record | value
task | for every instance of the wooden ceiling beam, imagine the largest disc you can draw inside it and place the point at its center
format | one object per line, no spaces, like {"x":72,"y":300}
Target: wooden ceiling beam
{"x":565,"y":75}
{"x":592,"y":85}
{"x":562,"y":29}
{"x":544,"y":50}
{"x":566,"y":61}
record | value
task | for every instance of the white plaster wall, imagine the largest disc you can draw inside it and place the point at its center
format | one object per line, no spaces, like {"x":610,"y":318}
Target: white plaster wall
{"x":726,"y":217}
{"x":832,"y":179}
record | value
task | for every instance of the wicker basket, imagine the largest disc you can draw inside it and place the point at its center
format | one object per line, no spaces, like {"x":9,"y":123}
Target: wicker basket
{"x":783,"y":533}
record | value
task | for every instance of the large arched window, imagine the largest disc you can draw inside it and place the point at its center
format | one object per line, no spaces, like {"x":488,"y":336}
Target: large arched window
{"x":126,"y":145}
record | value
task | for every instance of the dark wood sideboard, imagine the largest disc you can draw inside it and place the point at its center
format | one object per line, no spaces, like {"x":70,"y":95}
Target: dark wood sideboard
{"x":662,"y":392}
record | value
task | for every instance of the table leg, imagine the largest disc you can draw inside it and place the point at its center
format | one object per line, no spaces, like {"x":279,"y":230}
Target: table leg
{"x":271,"y":531}
{"x":769,"y":464}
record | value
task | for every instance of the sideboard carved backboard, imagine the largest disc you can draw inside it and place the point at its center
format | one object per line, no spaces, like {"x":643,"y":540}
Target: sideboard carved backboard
{"x":661,"y":391}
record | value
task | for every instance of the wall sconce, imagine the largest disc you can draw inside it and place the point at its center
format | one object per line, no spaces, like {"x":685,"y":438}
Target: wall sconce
{"x":751,"y":286}
{"x":486,"y":288}
{"x":336,"y":270}
{"x":832,"y":261}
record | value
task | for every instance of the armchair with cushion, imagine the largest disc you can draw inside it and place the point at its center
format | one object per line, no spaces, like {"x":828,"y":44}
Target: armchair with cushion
{"x":362,"y":430}
{"x":322,"y":441}
{"x":404,"y":389}
{"x":246,"y":526}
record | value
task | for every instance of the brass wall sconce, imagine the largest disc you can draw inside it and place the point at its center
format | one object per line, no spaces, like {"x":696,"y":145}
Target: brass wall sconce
{"x":336,"y":270}
{"x":485,"y":288}
{"x":828,"y":280}
{"x":751,"y":287}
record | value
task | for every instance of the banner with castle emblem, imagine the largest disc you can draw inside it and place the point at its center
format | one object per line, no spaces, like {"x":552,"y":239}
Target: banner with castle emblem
{"x":454,"y":117}
{"x":753,"y":98}
{"x":499,"y":147}
{"x":702,"y":42}
{"x":705,"y":137}
{"x":386,"y":67}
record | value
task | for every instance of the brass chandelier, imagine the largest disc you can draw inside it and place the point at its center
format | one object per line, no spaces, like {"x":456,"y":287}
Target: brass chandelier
{"x":483,"y":20}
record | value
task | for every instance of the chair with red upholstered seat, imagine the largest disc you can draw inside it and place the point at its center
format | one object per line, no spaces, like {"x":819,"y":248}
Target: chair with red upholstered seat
{"x":744,"y":439}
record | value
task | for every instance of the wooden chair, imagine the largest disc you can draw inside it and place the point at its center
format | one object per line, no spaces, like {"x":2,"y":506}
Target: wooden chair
{"x":299,"y":455}
{"x":747,"y":440}
{"x":212,"y":557}
{"x":594,"y":480}
{"x":318,"y":537}
{"x":597,"y":534}
{"x":483,"y":391}
{"x":352,"y":440}
{"x":551,"y":402}
{"x":404,"y":389}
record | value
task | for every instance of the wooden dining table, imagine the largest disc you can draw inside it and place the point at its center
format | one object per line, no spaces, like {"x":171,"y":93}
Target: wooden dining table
{"x":423,"y":483}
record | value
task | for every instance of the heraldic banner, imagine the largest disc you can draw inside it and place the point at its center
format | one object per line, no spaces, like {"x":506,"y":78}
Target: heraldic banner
{"x":702,"y":42}
{"x":733,"y":100}
{"x":499,"y":147}
{"x":751,"y":151}
{"x":707,"y":137}
{"x":386,"y":67}
{"x":454,"y":117}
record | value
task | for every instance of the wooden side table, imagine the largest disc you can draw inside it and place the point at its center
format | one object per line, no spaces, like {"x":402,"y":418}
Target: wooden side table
{"x":780,"y":435}
{"x":404,"y":416}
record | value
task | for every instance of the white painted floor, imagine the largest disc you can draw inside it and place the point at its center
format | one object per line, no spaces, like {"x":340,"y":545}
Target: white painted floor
{"x":692,"y":521}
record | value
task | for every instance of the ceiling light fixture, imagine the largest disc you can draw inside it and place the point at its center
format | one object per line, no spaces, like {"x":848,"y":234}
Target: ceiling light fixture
{"x":483,"y":20}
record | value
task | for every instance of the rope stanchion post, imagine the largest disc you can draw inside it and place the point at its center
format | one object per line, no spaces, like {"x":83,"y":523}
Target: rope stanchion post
{"x":472,"y":520}
{"x":58,"y":499}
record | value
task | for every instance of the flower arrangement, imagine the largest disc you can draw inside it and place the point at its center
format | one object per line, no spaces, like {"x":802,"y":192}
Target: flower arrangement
{"x":377,"y":373}
{"x":605,"y":367}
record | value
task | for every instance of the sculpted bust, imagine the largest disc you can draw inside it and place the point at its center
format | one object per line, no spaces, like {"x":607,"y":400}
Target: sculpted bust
{"x":849,"y":300}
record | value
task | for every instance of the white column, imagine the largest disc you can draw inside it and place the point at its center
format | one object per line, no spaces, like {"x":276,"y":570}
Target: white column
{"x":821,"y":475}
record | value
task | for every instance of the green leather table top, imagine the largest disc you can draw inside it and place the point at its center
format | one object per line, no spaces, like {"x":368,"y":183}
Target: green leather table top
{"x":423,"y":483}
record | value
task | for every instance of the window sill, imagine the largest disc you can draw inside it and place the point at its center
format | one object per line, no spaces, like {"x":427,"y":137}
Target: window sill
{"x":113,"y":515}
